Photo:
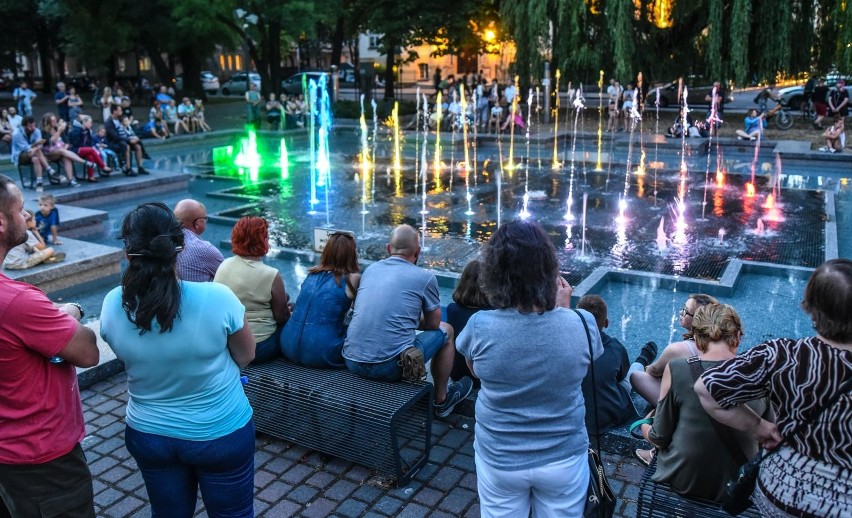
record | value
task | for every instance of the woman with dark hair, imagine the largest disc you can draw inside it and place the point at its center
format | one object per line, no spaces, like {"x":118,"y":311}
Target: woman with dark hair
{"x":258,"y":286}
{"x":691,"y":456}
{"x":468,"y":298}
{"x":182,"y":343}
{"x":531,"y":355}
{"x":808,"y":381}
{"x":315,"y":333}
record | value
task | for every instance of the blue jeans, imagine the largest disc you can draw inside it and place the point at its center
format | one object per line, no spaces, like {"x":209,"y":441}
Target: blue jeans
{"x":174,"y":469}
{"x":430,"y":342}
{"x":267,"y":350}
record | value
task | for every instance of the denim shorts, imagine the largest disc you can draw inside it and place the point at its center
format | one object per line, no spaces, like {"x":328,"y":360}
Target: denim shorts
{"x":430,"y":342}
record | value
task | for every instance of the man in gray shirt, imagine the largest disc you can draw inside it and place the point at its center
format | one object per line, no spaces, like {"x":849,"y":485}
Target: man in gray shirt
{"x":395,"y":299}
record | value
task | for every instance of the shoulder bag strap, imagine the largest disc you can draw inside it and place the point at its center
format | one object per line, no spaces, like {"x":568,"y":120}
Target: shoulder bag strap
{"x":594,"y":385}
{"x":724,"y":432}
{"x":352,"y":289}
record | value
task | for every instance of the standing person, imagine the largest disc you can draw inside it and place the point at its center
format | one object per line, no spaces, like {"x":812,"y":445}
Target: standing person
{"x":61,"y":98}
{"x":183,"y":343}
{"x":316,"y":330}
{"x":692,"y":457}
{"x":808,"y":382}
{"x":716,"y":108}
{"x":838,"y":99}
{"x":531,"y":355}
{"x":253,"y":100}
{"x":820,"y":102}
{"x":613,"y":92}
{"x":75,"y":104}
{"x":258,"y":286}
{"x":42,"y":466}
{"x":436,"y":79}
{"x":395,"y":300}
{"x":199,"y":259}
{"x":24,"y":97}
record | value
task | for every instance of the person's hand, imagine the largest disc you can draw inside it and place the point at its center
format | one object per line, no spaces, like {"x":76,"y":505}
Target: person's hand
{"x":563,"y":293}
{"x":767,"y":435}
{"x":57,"y":241}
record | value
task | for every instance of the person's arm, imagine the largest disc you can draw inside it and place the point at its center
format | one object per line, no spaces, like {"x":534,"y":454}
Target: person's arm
{"x":657,"y":368}
{"x":660,"y":433}
{"x":40,"y":245}
{"x":82,"y":350}
{"x":280,"y":311}
{"x":843,"y":103}
{"x":431,"y":320}
{"x":740,"y":417}
{"x":563,"y":293}
{"x":241,"y":345}
{"x":354,"y":282}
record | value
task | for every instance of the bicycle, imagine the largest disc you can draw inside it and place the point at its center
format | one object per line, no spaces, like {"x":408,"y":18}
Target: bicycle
{"x":781,"y":112}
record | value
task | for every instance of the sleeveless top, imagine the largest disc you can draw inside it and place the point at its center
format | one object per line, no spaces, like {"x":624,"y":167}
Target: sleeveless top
{"x":315,"y":333}
{"x":251,"y":282}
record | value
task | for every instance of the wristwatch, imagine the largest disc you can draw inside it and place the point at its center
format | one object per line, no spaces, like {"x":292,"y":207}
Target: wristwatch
{"x":79,"y":308}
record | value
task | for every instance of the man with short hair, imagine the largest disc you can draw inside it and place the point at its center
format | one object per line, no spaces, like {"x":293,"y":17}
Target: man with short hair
{"x":199,"y":259}
{"x":61,"y":99}
{"x":121,"y":143}
{"x":838,"y":99}
{"x":24,"y":97}
{"x":27,"y":144}
{"x":395,"y":298}
{"x":43,"y":470}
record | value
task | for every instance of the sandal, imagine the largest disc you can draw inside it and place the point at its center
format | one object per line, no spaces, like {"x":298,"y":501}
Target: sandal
{"x":58,"y":257}
{"x":645,"y":456}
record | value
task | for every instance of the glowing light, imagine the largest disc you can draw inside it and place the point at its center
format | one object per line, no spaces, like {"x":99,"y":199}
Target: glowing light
{"x":770,"y":202}
{"x":720,"y":178}
{"x":284,"y":161}
{"x":569,"y":215}
{"x":556,"y":163}
{"x":749,"y":190}
{"x":397,"y":159}
{"x":437,"y":162}
{"x":622,"y":208}
{"x":524,"y":214}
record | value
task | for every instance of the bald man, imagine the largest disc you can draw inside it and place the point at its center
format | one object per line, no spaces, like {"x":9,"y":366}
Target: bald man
{"x":396,"y":299}
{"x":199,"y":259}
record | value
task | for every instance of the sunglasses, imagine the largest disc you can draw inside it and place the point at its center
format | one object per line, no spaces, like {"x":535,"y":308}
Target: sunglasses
{"x":685,"y":312}
{"x":350,"y":235}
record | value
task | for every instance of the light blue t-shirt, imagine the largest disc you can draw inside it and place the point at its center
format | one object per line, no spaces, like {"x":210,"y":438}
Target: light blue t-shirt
{"x":183,"y":383}
{"x":530,"y":410}
{"x":392,"y":294}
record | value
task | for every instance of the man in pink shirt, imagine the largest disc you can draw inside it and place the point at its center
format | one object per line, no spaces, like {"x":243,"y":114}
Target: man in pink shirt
{"x":43,"y":471}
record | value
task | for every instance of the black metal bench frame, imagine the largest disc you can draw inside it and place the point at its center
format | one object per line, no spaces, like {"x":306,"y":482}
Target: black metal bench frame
{"x":658,"y":500}
{"x":381,"y":425}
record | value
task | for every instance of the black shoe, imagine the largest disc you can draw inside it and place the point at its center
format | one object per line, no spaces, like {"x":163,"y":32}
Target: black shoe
{"x":129,"y":172}
{"x":146,"y":156}
{"x":142,"y":170}
{"x":648,"y":354}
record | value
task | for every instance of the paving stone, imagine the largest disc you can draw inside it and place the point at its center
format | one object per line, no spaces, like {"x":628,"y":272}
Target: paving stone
{"x":414,"y":511}
{"x":107,"y":406}
{"x":368,"y":494}
{"x":319,"y":508}
{"x":351,"y":508}
{"x":132,"y":482}
{"x":463,"y":462}
{"x":262,"y":478}
{"x":259,"y":507}
{"x":103,"y":420}
{"x":457,"y":501}
{"x":261,"y":457}
{"x":439,"y":454}
{"x":124,"y":507}
{"x":114,"y":475}
{"x":337,"y":466}
{"x":455,"y":438}
{"x":275,"y":491}
{"x":321,"y":479}
{"x":108,"y":497}
{"x":101,"y":465}
{"x":302,"y":494}
{"x":115,"y":429}
{"x":388,"y":505}
{"x":446,"y":479}
{"x":468,"y":481}
{"x":474,"y":511}
{"x":278,"y":466}
{"x":426,"y":472}
{"x":283,"y":509}
{"x":297,"y":474}
{"x":358,"y":474}
{"x":107,"y":446}
{"x":340,"y":490}
{"x":428,"y":497}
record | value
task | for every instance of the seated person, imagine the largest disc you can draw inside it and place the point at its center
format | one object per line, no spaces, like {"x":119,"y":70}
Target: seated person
{"x":47,"y":219}
{"x":155,"y":129}
{"x":647,"y":383}
{"x":612,"y":369}
{"x":468,"y":299}
{"x":258,"y":286}
{"x":753,"y":126}
{"x":134,"y":143}
{"x":395,"y":299}
{"x":99,"y":139}
{"x":186,"y":113}
{"x":835,"y":136}
{"x":31,"y":253}
{"x":692,"y":457}
{"x":170,"y":115}
{"x":199,"y":116}
{"x":495,"y":117}
{"x":677,"y":128}
{"x":315,"y":332}
{"x":273,"y":112}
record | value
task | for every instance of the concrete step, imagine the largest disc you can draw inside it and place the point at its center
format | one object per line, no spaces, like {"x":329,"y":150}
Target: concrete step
{"x":74,"y":221}
{"x":84,"y":262}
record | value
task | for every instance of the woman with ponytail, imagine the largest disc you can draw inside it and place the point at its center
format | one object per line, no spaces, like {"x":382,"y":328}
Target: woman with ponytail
{"x":183,"y":344}
{"x":691,"y":456}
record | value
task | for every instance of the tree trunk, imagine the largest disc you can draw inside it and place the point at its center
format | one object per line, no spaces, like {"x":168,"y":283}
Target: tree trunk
{"x":160,"y":66}
{"x":337,"y":42}
{"x":390,"y":76}
{"x":191,"y":74}
{"x":45,"y":56}
{"x":274,"y":49}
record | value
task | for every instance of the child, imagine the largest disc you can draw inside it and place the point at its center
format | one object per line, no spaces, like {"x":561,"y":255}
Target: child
{"x":199,"y":115}
{"x":835,"y":137}
{"x":154,"y":129}
{"x":753,"y":126}
{"x":31,"y":253}
{"x":100,"y":141}
{"x":47,"y":218}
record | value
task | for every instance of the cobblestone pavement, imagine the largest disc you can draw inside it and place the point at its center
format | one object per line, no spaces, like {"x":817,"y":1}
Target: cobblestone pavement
{"x":293,"y":481}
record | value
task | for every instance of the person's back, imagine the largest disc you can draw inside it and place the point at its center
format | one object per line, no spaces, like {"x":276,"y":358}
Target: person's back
{"x":251,"y":281}
{"x":392,"y":294}
{"x":614,"y":406}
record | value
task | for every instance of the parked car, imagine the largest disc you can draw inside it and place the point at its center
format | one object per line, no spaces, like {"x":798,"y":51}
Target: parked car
{"x":238,"y":85}
{"x":293,"y":84}
{"x":794,"y":95}
{"x":209,"y":82}
{"x":695,"y":95}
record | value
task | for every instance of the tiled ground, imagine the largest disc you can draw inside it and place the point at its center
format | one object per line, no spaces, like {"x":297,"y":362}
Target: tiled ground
{"x":292,"y":481}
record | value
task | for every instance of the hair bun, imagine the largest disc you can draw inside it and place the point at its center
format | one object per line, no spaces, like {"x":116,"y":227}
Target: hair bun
{"x":161,"y":247}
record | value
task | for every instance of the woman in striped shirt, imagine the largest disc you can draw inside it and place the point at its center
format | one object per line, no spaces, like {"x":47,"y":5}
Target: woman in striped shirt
{"x":811,"y":474}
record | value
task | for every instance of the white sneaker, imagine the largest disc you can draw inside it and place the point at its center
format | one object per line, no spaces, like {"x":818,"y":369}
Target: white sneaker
{"x":39,"y":187}
{"x":74,"y":183}
{"x":63,"y":180}
{"x":824,"y":149}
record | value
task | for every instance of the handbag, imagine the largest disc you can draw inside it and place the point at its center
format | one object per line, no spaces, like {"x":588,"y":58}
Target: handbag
{"x":600,"y":499}
{"x":737,"y":497}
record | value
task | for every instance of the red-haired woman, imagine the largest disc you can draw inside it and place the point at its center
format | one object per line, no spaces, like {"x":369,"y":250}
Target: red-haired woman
{"x":314,"y":335}
{"x":258,"y":286}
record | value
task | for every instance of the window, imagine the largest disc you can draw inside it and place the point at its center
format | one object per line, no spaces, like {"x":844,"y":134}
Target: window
{"x":144,"y":64}
{"x":423,"y":69}
{"x":374,"y":42}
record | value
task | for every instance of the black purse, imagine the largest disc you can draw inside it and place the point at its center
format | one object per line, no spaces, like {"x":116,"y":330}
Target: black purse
{"x":600,"y":499}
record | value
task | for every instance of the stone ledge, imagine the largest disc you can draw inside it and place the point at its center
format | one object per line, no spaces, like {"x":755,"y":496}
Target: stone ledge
{"x":75,"y":221}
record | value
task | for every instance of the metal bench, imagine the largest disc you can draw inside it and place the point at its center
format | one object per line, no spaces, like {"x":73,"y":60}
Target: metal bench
{"x":661,"y":501}
{"x":382,"y":425}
